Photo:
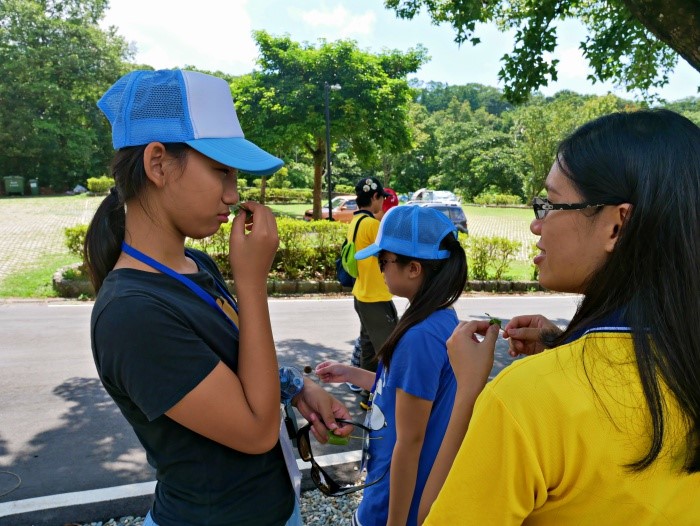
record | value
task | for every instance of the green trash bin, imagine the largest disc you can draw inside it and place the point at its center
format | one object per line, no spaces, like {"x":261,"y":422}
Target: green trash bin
{"x":14,"y":184}
{"x":34,"y":186}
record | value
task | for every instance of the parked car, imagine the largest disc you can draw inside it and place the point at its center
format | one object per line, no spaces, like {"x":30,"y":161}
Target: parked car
{"x":425,"y":195}
{"x":454,"y":212}
{"x":344,"y":206}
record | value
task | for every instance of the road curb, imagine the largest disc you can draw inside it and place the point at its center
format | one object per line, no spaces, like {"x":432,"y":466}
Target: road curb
{"x":68,"y":509}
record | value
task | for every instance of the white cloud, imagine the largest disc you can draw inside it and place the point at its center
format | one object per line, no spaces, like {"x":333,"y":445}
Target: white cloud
{"x":209,"y":34}
{"x":571,"y":65}
{"x":338,"y":22}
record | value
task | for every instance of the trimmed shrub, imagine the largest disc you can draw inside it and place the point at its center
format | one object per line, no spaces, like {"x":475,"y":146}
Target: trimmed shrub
{"x":307,"y":249}
{"x":277,"y":195}
{"x":75,"y":239}
{"x":498,"y":199}
{"x":490,"y":257}
{"x":532,"y":253}
{"x":100,"y":185}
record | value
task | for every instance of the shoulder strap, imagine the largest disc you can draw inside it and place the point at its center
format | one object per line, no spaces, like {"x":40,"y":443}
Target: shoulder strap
{"x":357,"y":225}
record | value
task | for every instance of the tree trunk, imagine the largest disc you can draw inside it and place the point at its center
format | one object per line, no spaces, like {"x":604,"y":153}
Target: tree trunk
{"x":319,"y":157}
{"x":263,"y":186}
{"x":674,"y":22}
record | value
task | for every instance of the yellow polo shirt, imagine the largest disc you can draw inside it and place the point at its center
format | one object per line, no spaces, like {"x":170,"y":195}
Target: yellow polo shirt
{"x":549,"y":439}
{"x":369,"y":286}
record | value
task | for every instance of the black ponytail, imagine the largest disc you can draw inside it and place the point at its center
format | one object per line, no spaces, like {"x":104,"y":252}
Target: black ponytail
{"x":443,"y":285}
{"x":106,"y":231}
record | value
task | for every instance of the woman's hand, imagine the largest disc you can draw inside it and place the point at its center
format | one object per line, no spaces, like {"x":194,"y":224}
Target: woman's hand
{"x":321,"y":409}
{"x":525,"y":334}
{"x":471,"y":359}
{"x":253,"y":243}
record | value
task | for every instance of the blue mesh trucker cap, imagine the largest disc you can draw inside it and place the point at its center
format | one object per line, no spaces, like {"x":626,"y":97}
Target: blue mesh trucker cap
{"x":182,"y":106}
{"x":412,"y":231}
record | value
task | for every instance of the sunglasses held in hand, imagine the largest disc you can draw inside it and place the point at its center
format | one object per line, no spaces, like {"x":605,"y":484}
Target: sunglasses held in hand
{"x":323,"y":481}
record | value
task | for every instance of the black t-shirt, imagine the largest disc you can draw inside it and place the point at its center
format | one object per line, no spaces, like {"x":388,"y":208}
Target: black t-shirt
{"x":153,"y":341}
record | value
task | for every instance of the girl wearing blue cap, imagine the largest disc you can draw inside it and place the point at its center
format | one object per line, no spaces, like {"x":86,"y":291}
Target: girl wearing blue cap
{"x":413,"y":391}
{"x":195,"y":375}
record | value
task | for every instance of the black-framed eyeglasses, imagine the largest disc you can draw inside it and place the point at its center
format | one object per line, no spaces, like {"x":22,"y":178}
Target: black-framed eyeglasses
{"x":384,"y":262}
{"x":323,"y":481}
{"x":543,"y":206}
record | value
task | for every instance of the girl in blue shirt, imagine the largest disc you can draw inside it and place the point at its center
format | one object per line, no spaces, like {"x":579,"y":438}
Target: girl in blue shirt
{"x":414,"y":387}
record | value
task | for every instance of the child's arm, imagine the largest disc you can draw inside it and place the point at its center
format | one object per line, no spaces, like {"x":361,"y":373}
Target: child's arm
{"x":331,"y":372}
{"x":412,"y":415}
{"x":472,"y":362}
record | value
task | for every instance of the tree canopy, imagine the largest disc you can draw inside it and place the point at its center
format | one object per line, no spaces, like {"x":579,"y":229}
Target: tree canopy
{"x":55,"y":62}
{"x":283,"y":104}
{"x":635,"y":43}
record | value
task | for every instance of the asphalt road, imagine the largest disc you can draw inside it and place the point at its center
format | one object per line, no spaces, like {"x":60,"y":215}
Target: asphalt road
{"x":67,"y":446}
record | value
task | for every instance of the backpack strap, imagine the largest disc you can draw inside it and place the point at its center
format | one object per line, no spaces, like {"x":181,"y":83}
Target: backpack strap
{"x":357,"y":225}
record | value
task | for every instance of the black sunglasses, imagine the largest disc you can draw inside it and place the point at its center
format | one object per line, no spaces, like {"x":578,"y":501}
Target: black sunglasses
{"x":542,"y":206}
{"x":323,"y":481}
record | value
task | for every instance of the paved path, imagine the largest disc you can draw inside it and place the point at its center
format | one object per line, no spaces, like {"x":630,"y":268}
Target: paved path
{"x":514,"y":228}
{"x":32,"y":227}
{"x":67,"y":454}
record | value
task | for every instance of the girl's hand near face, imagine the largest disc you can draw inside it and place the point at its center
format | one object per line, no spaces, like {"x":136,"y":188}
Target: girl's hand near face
{"x":253,"y":243}
{"x":525,"y":334}
{"x":471,"y":359}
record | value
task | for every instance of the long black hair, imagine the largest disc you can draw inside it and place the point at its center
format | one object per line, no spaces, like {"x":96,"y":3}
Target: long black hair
{"x":650,"y":159}
{"x":106,"y":231}
{"x":443,"y":285}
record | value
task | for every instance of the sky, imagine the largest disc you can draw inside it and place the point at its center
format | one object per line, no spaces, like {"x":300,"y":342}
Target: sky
{"x":217,"y":35}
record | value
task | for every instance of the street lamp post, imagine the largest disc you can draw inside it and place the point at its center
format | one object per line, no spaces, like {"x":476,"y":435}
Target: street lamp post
{"x":327,"y":88}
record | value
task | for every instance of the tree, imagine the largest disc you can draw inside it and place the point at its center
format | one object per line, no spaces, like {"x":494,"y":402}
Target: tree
{"x":414,"y":168}
{"x":540,"y":126}
{"x":283,"y":105}
{"x":634,"y":43}
{"x":55,"y":63}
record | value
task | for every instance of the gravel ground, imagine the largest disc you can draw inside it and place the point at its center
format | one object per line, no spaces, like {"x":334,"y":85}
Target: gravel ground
{"x":316,"y":510}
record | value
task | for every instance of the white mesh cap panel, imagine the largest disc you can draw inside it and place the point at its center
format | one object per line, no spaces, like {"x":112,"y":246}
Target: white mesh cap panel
{"x":211,"y":107}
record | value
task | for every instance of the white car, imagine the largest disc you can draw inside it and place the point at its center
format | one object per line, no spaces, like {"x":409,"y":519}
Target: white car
{"x":434,"y":196}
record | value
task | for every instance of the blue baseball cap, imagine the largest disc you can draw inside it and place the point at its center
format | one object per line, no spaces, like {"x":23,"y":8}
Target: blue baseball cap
{"x":412,"y":231}
{"x":182,"y":106}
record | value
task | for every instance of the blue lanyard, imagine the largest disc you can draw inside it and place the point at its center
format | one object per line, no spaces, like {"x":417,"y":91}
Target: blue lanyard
{"x":377,"y":375}
{"x":199,"y":291}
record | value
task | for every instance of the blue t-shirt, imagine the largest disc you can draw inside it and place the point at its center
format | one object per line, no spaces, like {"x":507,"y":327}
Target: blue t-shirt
{"x":420,"y":367}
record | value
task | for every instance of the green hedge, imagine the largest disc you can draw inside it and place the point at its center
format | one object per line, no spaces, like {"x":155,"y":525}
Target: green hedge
{"x":100,"y":185}
{"x":490,"y":257}
{"x":498,"y":199}
{"x":308,"y":250}
{"x":278,"y":195}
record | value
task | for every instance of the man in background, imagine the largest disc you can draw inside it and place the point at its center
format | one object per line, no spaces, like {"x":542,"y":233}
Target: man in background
{"x":373,"y":302}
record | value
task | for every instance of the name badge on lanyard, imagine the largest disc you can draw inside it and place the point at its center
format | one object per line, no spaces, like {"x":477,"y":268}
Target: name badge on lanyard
{"x":199,"y":291}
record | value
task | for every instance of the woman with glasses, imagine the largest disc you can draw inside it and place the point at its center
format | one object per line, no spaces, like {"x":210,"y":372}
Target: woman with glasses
{"x":602,"y":424}
{"x":413,"y":391}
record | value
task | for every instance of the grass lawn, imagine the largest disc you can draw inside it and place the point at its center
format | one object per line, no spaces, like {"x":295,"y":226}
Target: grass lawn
{"x":519,"y":214}
{"x":473,"y":211}
{"x":36,"y":280}
{"x":295,"y":210}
